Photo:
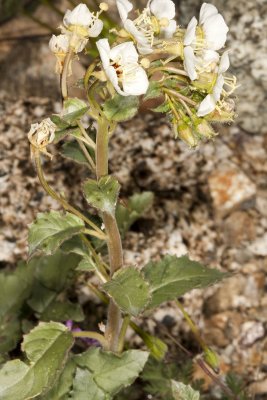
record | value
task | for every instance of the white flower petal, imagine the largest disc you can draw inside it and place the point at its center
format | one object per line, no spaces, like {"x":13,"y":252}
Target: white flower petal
{"x":206,"y":106}
{"x":135,"y":81}
{"x":96,"y":28}
{"x":206,"y":11}
{"x":217,"y":89}
{"x":143,"y":44}
{"x":124,"y":7}
{"x":126,"y":52}
{"x":215,"y":30}
{"x":59,"y":44}
{"x":104,"y":51}
{"x":224,"y":63}
{"x":190,"y":33}
{"x":210,"y":56}
{"x":169,"y":31}
{"x":190,"y":62}
{"x":163,"y":8}
{"x":80,"y":15}
{"x":113,"y":77}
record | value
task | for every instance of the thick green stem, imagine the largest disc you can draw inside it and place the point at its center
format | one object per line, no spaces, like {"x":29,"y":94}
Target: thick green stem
{"x":64,"y":76}
{"x":91,"y":335}
{"x":114,"y":320}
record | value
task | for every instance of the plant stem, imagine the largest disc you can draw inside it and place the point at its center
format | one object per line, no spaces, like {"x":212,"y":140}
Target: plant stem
{"x":114,"y":240}
{"x":60,"y":199}
{"x":86,"y":155}
{"x":91,"y":335}
{"x":123,"y":331}
{"x":64,"y":76}
{"x":90,"y":142}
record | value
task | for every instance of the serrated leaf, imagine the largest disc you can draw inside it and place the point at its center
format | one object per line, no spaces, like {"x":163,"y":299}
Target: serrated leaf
{"x":61,"y":389}
{"x":154,"y":90}
{"x":111,"y":372}
{"x":51,"y":229}
{"x":46,"y":347}
{"x":121,"y":108}
{"x":174,"y":276}
{"x":129,"y":290}
{"x":136,"y":207}
{"x":60,"y":312}
{"x":72,"y":151}
{"x":102,"y":194}
{"x":184,"y":392}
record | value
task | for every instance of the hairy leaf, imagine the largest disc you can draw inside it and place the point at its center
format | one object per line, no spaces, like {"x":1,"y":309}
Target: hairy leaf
{"x":184,"y":392}
{"x":109,"y":372}
{"x":136,"y":207}
{"x":174,"y":276}
{"x":85,"y":388}
{"x":72,"y":151}
{"x":86,"y":264}
{"x":51,"y":229}
{"x":162,"y":108}
{"x":46,"y":347}
{"x":102,"y":194}
{"x":61,"y":390}
{"x":154,"y":90}
{"x":60,"y":312}
{"x":129,"y":290}
{"x":121,"y":108}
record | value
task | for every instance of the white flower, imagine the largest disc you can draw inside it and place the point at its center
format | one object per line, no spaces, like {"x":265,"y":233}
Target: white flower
{"x":59,"y":45}
{"x":209,"y":103}
{"x":200,"y":51}
{"x":122,"y":69}
{"x":41,"y":134}
{"x":157,"y":18}
{"x":80,"y":24}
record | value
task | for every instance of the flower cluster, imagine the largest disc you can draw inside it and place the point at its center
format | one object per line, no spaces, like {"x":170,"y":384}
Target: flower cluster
{"x":78,"y":26}
{"x":186,"y":65}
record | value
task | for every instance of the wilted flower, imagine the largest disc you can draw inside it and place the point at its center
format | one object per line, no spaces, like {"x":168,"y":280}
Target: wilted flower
{"x":122,"y":68}
{"x":42,"y":134}
{"x":59,"y":45}
{"x":156,"y":18}
{"x":80,"y":24}
{"x":209,"y":103}
{"x":201,"y":41}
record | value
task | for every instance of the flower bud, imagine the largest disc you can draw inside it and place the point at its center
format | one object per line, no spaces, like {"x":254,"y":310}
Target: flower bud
{"x":212,"y":360}
{"x":205,"y":130}
{"x":42,"y":134}
{"x":185,"y":133}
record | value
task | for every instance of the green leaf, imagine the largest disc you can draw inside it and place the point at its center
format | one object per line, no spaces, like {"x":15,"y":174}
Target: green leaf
{"x":74,"y":109}
{"x":137,"y":206}
{"x":59,"y":122}
{"x":61,"y":134}
{"x":121,"y":108}
{"x":51,"y":229}
{"x":53,"y":274}
{"x":46,"y":347}
{"x":109,"y":372}
{"x":172,"y":277}
{"x":60,"y":312}
{"x":61,"y":389}
{"x":162,"y":108}
{"x":72,"y":151}
{"x":102,"y":194}
{"x":10,"y":332}
{"x":74,"y":245}
{"x":15,"y":290}
{"x":86,"y":264}
{"x":85,"y":388}
{"x":129,"y":290}
{"x":184,"y":392}
{"x":154,"y":90}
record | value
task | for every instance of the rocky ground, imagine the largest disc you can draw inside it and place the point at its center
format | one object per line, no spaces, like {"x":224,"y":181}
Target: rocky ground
{"x":210,"y":202}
